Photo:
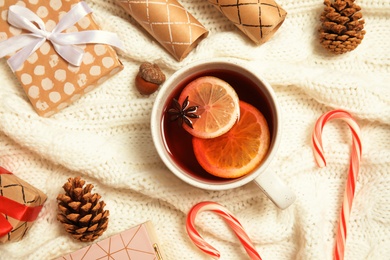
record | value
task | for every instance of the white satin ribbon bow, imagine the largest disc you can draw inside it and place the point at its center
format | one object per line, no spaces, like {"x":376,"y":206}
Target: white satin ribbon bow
{"x":64,"y":43}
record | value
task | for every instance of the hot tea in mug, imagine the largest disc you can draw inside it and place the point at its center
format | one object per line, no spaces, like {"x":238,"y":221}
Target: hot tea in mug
{"x":174,"y":144}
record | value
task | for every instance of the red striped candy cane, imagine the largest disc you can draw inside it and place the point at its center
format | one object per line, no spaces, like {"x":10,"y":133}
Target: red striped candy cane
{"x":356,"y":152}
{"x":230,"y":220}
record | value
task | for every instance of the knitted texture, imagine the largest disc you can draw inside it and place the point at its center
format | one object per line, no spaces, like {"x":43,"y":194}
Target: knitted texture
{"x":105,"y":138}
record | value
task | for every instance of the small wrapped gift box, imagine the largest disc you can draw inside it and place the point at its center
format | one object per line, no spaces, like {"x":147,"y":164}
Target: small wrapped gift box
{"x":176,"y":29}
{"x":139,"y":242}
{"x":259,"y":20}
{"x":20,"y":204}
{"x":56,"y":50}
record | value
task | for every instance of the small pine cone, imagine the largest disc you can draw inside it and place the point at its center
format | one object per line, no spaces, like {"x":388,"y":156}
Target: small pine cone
{"x":80,"y":211}
{"x":342,"y":26}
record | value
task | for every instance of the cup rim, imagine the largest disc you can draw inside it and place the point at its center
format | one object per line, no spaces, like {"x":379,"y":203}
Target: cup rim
{"x":156,"y":128}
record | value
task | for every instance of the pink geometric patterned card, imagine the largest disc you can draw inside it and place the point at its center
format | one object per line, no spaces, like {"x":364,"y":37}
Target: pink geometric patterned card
{"x":139,"y":242}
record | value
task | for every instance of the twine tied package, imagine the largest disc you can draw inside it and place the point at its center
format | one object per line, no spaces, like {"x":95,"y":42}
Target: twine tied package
{"x":56,"y":50}
{"x":169,"y":23}
{"x":259,"y":20}
{"x":20,"y":204}
{"x":139,"y":242}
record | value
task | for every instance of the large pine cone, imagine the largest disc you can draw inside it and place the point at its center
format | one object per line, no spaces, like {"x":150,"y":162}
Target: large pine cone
{"x":342,"y":26}
{"x":81,"y":212}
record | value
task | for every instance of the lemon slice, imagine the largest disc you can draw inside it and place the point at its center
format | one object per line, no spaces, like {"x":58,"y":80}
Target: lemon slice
{"x":218,"y":106}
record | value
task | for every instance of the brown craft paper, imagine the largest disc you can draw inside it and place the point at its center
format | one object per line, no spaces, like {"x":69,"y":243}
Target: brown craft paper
{"x":259,"y":20}
{"x":169,"y":23}
{"x":49,"y":81}
{"x":20,"y":191}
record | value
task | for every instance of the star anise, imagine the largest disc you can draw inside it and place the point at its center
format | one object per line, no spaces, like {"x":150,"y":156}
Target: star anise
{"x":183,"y":113}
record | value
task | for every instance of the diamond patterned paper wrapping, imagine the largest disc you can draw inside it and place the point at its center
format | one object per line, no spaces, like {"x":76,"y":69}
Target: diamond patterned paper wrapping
{"x":17,"y":190}
{"x":169,"y":23}
{"x":259,"y":20}
{"x":139,"y":242}
{"x":50,"y":82}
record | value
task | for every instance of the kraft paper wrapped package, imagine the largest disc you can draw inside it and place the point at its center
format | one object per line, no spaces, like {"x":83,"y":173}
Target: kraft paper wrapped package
{"x":139,"y":242}
{"x":50,"y":81}
{"x":259,"y":20}
{"x":20,"y":204}
{"x":169,"y":23}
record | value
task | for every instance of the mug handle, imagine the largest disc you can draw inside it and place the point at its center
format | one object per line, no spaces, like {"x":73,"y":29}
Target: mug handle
{"x":275,"y":189}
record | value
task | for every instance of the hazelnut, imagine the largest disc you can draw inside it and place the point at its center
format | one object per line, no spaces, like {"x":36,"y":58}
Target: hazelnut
{"x":149,"y":78}
{"x":145,"y":87}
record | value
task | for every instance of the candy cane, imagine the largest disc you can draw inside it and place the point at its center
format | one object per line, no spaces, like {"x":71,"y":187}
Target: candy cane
{"x":341,"y":233}
{"x":231,"y":221}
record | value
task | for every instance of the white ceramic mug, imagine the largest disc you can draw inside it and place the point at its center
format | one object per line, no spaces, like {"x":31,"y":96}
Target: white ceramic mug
{"x":167,"y":140}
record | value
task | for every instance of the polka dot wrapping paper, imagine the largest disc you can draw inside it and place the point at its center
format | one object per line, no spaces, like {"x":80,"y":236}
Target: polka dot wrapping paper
{"x":50,"y":82}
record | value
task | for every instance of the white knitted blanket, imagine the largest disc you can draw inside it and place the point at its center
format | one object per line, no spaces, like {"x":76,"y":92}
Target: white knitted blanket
{"x":105,"y":137}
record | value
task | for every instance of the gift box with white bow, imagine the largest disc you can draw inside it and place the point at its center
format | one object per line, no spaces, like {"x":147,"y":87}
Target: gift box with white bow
{"x":56,"y":50}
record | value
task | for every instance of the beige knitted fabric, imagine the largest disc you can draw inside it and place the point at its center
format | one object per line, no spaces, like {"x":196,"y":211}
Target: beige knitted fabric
{"x":105,"y":138}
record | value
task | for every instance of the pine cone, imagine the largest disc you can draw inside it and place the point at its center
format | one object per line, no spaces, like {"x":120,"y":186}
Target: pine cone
{"x":342,"y":26}
{"x":81,"y":212}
